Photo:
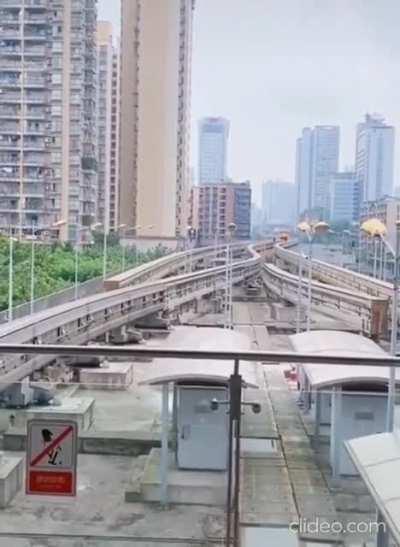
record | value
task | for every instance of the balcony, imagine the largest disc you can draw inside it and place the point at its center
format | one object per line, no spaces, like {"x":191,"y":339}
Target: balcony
{"x":33,"y":159}
{"x":35,"y":51}
{"x":9,"y":173}
{"x":9,"y":113}
{"x":35,"y":114}
{"x":38,"y":145}
{"x":9,"y":128}
{"x":33,"y":4}
{"x":36,"y":19}
{"x":11,"y":33}
{"x":9,"y":144}
{"x":9,"y":82}
{"x":35,"y":82}
{"x":34,"y":35}
{"x":35,"y":99}
{"x":10,"y":50}
{"x":9,"y":18}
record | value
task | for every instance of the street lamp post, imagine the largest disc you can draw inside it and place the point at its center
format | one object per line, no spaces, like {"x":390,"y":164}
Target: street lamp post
{"x":299,"y":294}
{"x":136,"y":228}
{"x":309,"y":295}
{"x":10,"y":275}
{"x":32,"y":287}
{"x":345,"y":233}
{"x":190,"y":237}
{"x":127,"y":229}
{"x":229,"y":278}
{"x":76,"y":277}
{"x":105,"y":250}
{"x":311,"y":229}
{"x":33,"y":238}
{"x":95,"y":227}
{"x":374,"y":272}
{"x":393,"y":337}
{"x":375,"y":228}
{"x":122,"y":228}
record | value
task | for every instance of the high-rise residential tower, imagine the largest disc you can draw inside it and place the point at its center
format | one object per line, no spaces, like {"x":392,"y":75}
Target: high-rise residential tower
{"x":105,"y":53}
{"x":156,"y":46}
{"x":216,"y":206}
{"x":375,"y":157}
{"x":213,"y":143}
{"x":47,"y":113}
{"x":317,"y":159}
{"x":114,"y":144}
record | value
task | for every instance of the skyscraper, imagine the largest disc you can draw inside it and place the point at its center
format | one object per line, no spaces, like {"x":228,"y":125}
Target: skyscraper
{"x":303,"y":171}
{"x":344,"y":203}
{"x":155,"y":69}
{"x":104,"y":104}
{"x":278,"y":202}
{"x":317,"y":159}
{"x":47,"y":112}
{"x":213,"y":141}
{"x":375,"y":157}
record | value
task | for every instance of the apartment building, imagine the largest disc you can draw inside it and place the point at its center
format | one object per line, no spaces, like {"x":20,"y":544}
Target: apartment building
{"x":215,"y":206}
{"x":48,"y":168}
{"x":105,"y":56}
{"x":114,"y":145}
{"x":156,"y":47}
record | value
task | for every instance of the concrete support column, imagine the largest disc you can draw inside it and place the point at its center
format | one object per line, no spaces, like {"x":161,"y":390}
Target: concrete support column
{"x":336,"y":431}
{"x":382,"y":537}
{"x":317,"y":417}
{"x":164,"y":446}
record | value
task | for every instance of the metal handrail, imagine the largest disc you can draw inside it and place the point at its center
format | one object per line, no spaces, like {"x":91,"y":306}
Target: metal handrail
{"x":122,"y":539}
{"x":264,"y":357}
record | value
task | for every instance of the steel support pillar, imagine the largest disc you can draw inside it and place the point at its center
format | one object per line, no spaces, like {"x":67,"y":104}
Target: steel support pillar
{"x":164,"y":446}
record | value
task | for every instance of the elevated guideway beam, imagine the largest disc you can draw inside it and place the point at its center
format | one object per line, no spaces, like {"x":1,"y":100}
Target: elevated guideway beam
{"x":88,"y":318}
{"x":368,"y":313}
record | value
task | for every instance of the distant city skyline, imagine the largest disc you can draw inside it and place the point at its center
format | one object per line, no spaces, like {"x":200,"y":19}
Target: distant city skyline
{"x":288,"y":65}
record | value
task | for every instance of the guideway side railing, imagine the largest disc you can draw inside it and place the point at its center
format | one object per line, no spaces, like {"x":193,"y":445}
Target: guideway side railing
{"x":235,"y":400}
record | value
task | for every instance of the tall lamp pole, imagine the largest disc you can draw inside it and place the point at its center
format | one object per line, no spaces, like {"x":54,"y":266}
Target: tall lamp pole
{"x":311,"y":229}
{"x":32,"y":291}
{"x":393,"y":337}
{"x":11,"y":240}
{"x":376,"y":229}
{"x":299,"y":294}
{"x":229,"y":278}
{"x":122,"y":229}
{"x":95,"y":227}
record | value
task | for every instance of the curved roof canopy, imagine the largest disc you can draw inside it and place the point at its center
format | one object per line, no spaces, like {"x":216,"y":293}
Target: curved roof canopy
{"x":162,"y":371}
{"x":377,"y":458}
{"x":340,"y":343}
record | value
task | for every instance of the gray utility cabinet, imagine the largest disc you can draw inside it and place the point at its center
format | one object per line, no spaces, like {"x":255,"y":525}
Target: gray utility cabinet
{"x":202,"y":433}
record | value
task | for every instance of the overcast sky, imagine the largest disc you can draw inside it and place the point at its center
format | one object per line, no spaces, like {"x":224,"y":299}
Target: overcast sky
{"x":274,"y":66}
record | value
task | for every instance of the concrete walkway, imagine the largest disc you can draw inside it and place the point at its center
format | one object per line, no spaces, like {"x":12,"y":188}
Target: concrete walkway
{"x":311,"y":493}
{"x":280,"y":487}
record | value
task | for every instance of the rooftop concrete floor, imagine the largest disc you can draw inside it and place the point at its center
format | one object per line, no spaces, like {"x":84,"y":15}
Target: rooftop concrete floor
{"x":100,"y":510}
{"x":275,"y":488}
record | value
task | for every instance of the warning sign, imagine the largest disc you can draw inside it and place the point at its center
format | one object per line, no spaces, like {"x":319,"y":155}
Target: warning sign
{"x":51,"y":457}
